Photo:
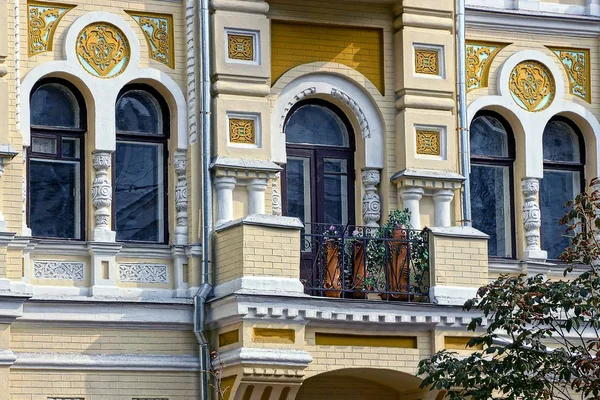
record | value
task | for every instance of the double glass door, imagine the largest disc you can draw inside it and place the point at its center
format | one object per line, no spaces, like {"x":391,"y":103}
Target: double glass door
{"x":319,"y":191}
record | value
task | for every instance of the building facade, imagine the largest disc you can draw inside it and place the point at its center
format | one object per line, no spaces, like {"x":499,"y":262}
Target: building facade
{"x":316,"y":121}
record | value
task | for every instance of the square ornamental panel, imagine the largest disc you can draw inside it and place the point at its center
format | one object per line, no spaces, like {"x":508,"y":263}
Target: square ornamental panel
{"x":428,"y":60}
{"x":244,"y":130}
{"x":430,"y":142}
{"x":242,"y":46}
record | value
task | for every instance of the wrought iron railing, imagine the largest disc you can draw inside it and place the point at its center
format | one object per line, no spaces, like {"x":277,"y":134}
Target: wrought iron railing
{"x":364,"y":262}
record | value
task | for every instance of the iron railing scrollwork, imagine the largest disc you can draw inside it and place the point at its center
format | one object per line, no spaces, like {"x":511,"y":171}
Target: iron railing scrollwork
{"x":364,"y":262}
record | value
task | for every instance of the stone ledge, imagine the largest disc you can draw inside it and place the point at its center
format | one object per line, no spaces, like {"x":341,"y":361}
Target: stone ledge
{"x":266,"y":220}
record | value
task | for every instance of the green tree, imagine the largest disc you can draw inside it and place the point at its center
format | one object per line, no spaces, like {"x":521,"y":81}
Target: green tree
{"x":540,"y":337}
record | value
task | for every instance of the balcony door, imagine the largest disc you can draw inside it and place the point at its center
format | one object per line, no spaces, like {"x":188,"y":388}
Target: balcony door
{"x":319,"y":174}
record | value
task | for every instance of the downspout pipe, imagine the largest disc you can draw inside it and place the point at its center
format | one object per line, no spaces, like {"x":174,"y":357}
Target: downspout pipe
{"x":463,"y":128}
{"x":207,"y":227}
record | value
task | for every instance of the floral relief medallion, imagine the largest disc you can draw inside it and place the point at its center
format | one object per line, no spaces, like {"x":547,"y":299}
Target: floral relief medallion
{"x":532,"y":86}
{"x":103,"y":50}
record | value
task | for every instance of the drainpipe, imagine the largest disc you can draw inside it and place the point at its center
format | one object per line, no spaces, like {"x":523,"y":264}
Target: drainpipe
{"x":206,"y":287}
{"x":463,"y":128}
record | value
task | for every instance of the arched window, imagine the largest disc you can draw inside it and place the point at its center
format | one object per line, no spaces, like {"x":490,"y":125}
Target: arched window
{"x":319,"y":174}
{"x":492,"y":157}
{"x":55,"y":161}
{"x":563,"y":180}
{"x":140,"y":166}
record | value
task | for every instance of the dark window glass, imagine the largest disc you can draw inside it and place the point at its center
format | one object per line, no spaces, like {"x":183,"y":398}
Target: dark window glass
{"x":139,"y":173}
{"x":139,"y":112}
{"x":561,"y":142}
{"x":562,"y":181}
{"x":556,"y":189}
{"x":492,"y":159}
{"x":317,"y":125}
{"x":55,"y":105}
{"x":139,"y":192}
{"x":55,"y":203}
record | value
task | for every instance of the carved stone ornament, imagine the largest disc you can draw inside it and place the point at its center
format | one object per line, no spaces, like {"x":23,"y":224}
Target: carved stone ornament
{"x":577,"y":66}
{"x":59,"y":270}
{"x":371,"y":201}
{"x":532,"y":220}
{"x":143,"y":273}
{"x":103,"y":50}
{"x":276,"y":198}
{"x":158,"y":30}
{"x":305,"y":93}
{"x":42,"y":20}
{"x":181,"y":202}
{"x":101,"y":188}
{"x":532,"y":86}
{"x":479,"y":59}
{"x":358,"y":112}
{"x":242,"y":131}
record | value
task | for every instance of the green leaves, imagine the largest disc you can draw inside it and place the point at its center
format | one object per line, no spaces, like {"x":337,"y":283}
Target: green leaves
{"x":541,"y":336}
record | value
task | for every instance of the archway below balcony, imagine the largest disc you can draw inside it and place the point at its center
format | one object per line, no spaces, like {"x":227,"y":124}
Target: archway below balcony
{"x":364,"y":384}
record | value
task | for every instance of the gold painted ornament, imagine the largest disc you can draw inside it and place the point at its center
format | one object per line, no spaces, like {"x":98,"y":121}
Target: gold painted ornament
{"x":103,"y":50}
{"x":241,"y":131}
{"x":532,"y":86}
{"x":158,"y":31}
{"x":42,"y":20}
{"x":428,"y":142}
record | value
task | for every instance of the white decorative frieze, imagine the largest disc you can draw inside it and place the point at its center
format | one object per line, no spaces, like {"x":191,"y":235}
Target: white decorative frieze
{"x":59,"y":270}
{"x":371,"y":202}
{"x":181,"y":202}
{"x":358,"y":112}
{"x":143,"y":273}
{"x":306,"y":92}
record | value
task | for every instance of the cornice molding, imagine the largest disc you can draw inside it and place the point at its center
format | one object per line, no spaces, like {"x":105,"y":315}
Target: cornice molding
{"x":532,"y":22}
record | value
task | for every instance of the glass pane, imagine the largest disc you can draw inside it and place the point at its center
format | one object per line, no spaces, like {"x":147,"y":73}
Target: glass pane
{"x":139,"y":112}
{"x":556,"y":189}
{"x":335,"y":192}
{"x":297,"y":173}
{"x":334,"y":165}
{"x":139,"y":192}
{"x":70,"y":147}
{"x":491,"y":207}
{"x":43,"y":145}
{"x":55,"y":105}
{"x":488,"y":137}
{"x":54,"y":199}
{"x":560,"y":142}
{"x":314,"y":124}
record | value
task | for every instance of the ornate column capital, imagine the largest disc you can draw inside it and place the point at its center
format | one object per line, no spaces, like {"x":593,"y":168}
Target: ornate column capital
{"x":371,"y":204}
{"x":102,"y":196}
{"x":532,"y":219}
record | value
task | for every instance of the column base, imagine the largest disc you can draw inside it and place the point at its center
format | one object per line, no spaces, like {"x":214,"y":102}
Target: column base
{"x":535,"y":255}
{"x":104,"y":235}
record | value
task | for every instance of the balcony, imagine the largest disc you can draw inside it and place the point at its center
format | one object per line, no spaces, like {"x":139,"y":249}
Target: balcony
{"x":344,"y":261}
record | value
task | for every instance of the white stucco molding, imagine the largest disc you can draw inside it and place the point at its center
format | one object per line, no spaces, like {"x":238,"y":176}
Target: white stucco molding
{"x":100,"y":93}
{"x":341,"y":90}
{"x":531,"y":124}
{"x":106,"y":362}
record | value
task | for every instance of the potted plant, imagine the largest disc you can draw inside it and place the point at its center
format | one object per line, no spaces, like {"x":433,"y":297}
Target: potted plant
{"x":332,"y":272}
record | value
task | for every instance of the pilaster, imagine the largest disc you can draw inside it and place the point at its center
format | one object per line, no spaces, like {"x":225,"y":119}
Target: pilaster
{"x":425,"y":79}
{"x":181,"y":200}
{"x":104,"y":268}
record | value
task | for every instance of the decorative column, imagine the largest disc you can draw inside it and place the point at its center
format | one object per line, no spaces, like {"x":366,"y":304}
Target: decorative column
{"x":181,"y":203}
{"x":102,"y":197}
{"x":256,"y":196}
{"x":441,"y":203}
{"x":371,"y":203}
{"x":593,"y":7}
{"x":411,"y":198}
{"x":532,"y":220}
{"x":224,"y":186}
